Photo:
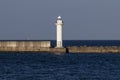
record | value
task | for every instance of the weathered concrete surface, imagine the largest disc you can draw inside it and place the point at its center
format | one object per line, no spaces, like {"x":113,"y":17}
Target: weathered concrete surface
{"x":24,"y":44}
{"x":53,"y":50}
{"x":59,"y":50}
{"x":45,"y":46}
{"x":94,"y":49}
{"x":81,"y":49}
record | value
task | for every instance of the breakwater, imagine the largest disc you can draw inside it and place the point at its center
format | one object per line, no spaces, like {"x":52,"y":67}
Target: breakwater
{"x":29,"y":46}
{"x":36,"y":49}
{"x":24,"y":44}
{"x":45,"y":46}
{"x":94,"y":49}
{"x":81,"y":49}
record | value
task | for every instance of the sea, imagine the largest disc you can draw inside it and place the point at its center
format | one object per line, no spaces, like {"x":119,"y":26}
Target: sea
{"x":56,"y":66}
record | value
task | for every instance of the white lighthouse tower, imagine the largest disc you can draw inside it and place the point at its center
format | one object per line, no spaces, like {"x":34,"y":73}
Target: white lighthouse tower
{"x":59,"y":25}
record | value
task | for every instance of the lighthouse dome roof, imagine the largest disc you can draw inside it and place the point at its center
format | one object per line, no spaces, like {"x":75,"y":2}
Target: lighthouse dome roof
{"x":59,"y":17}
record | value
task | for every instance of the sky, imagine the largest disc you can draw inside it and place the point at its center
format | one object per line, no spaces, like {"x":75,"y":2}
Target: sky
{"x":83,"y":19}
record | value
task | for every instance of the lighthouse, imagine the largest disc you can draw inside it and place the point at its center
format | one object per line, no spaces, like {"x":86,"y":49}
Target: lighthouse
{"x":59,"y":25}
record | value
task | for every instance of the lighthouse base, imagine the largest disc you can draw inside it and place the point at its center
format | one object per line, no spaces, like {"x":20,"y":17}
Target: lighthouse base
{"x":59,"y":44}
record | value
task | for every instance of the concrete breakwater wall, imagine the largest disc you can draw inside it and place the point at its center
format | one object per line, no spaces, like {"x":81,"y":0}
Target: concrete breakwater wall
{"x":24,"y":44}
{"x":45,"y":46}
{"x":81,"y":49}
{"x":94,"y":49}
{"x":35,"y":49}
{"x":29,"y":46}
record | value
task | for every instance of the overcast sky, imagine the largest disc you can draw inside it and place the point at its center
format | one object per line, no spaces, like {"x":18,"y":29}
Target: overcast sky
{"x":83,"y":19}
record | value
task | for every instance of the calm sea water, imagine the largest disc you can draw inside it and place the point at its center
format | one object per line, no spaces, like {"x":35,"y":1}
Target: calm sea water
{"x":48,"y":66}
